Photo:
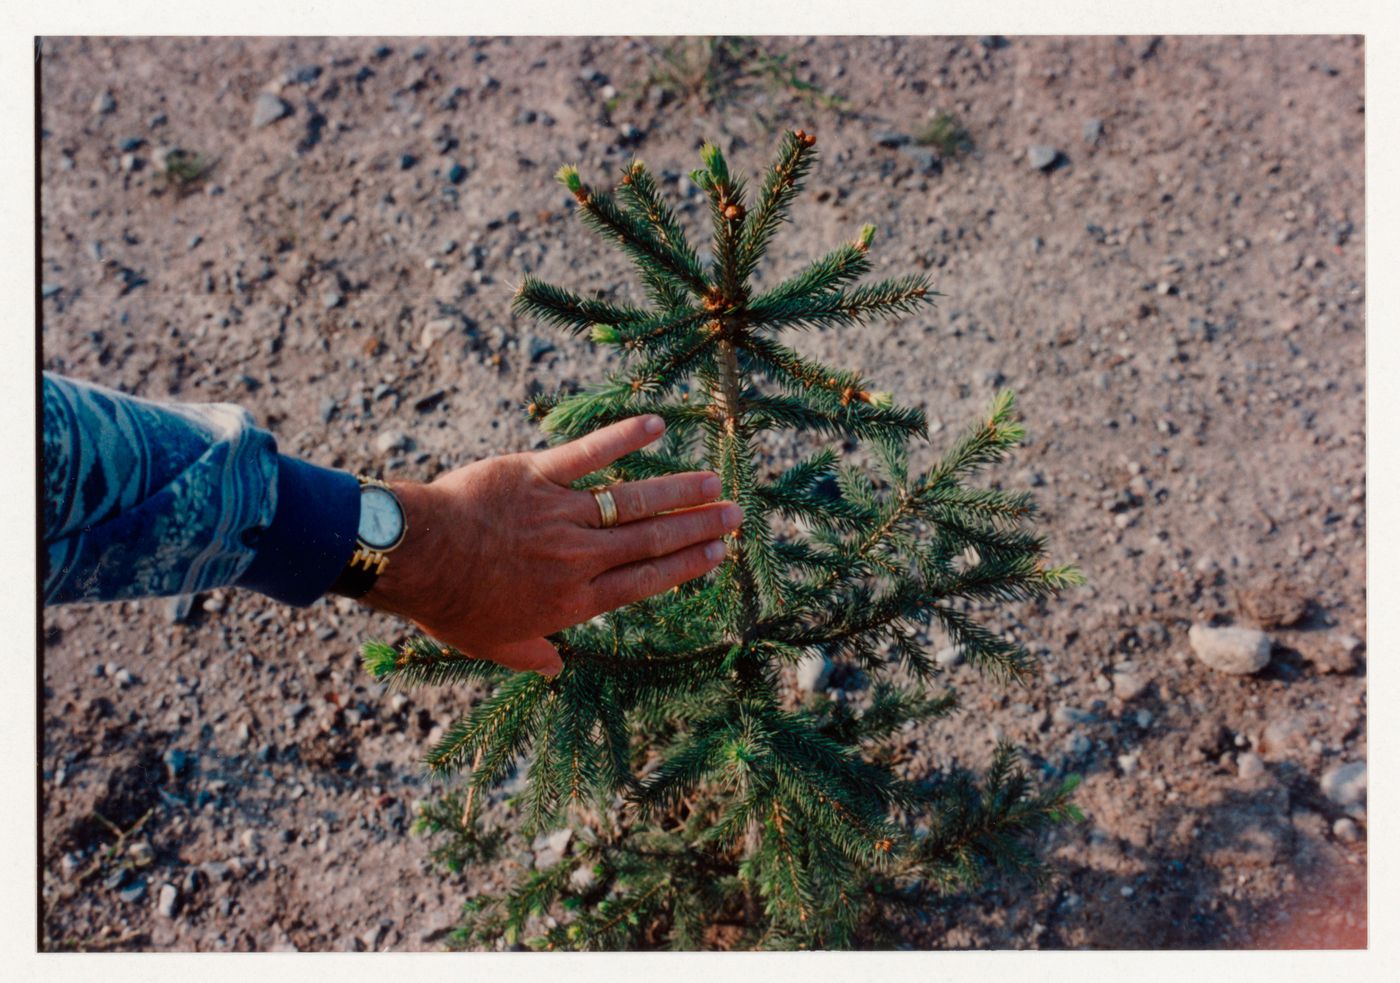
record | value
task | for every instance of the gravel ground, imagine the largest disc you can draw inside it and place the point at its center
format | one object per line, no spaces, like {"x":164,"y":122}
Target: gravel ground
{"x":1157,"y":242}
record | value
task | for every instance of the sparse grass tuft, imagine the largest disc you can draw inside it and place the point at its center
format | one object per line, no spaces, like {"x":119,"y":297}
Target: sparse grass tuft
{"x":719,"y":73}
{"x":946,"y":135}
{"x":183,"y":170}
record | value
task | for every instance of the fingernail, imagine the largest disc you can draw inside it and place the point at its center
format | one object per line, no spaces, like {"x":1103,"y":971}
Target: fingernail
{"x":711,"y":486}
{"x":733,"y":517}
{"x":654,"y":424}
{"x":714,"y":552}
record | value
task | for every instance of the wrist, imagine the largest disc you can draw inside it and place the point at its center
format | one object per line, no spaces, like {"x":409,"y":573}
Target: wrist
{"x":402,"y":582}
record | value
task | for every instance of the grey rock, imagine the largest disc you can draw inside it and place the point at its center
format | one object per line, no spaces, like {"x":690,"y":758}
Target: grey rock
{"x":1129,"y":682}
{"x":295,"y":711}
{"x":1345,"y":830}
{"x":216,"y":870}
{"x":392,"y":440}
{"x":382,"y":391}
{"x":456,"y":173}
{"x":103,"y":104}
{"x":434,"y":331}
{"x":949,"y":656}
{"x":1234,"y":650}
{"x":1068,"y":716}
{"x":1345,"y":784}
{"x":303,"y":74}
{"x":583,"y":878}
{"x":1249,"y":765}
{"x":448,"y":247}
{"x":331,"y":300}
{"x":50,"y":290}
{"x":539,"y":348}
{"x":329,"y":408}
{"x":126,"y":678}
{"x":1093,"y":131}
{"x":269,"y":109}
{"x":549,"y":848}
{"x":134,"y":891}
{"x":813,"y":672}
{"x":429,"y":400}
{"x":891,"y":138}
{"x":1042,"y":157}
{"x":1078,"y":744}
{"x":925,"y":160}
{"x":169,"y":900}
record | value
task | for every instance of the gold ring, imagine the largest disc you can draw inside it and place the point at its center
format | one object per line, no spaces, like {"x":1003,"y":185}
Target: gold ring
{"x":607,"y":508}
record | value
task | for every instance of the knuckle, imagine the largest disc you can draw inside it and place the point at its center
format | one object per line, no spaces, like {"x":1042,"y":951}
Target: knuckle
{"x":657,"y":539}
{"x":639,"y":501}
{"x":646,"y":579}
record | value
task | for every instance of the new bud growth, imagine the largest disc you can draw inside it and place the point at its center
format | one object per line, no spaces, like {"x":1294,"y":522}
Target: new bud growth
{"x":878,"y":400}
{"x":568,"y":176}
{"x":867,"y":234}
{"x":714,"y":162}
{"x":605,"y":334}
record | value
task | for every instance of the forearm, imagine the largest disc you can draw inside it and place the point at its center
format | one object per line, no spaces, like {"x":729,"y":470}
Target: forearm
{"x":150,"y":499}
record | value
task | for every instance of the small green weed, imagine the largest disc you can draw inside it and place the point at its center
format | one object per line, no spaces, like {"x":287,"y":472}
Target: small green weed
{"x":946,"y":135}
{"x":719,"y":73}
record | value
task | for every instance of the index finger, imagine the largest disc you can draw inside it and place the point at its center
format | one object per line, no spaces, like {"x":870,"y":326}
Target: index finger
{"x":569,"y":462}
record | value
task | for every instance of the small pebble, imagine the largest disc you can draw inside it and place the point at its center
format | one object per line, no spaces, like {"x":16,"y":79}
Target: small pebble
{"x":1234,"y":650}
{"x":1345,"y":784}
{"x":268,"y":109}
{"x":1249,"y":765}
{"x":169,"y":900}
{"x":1042,"y":157}
{"x":813,"y":672}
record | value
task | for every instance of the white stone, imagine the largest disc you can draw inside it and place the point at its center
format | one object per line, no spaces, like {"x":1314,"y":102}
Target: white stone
{"x":949,"y":657}
{"x":1128,"y":682}
{"x":269,"y":109}
{"x":390,"y":441}
{"x":1345,"y":784}
{"x":1249,"y":765}
{"x":583,"y":878}
{"x":813,"y":672}
{"x":1234,"y":650}
{"x":1345,"y":830}
{"x":434,"y":331}
{"x":549,"y":847}
{"x":169,"y":898}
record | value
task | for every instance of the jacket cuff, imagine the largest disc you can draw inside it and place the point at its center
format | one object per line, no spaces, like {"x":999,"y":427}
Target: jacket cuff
{"x":312,"y":535}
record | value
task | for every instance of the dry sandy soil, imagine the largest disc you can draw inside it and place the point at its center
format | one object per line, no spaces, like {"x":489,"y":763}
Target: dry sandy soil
{"x":1178,"y":301}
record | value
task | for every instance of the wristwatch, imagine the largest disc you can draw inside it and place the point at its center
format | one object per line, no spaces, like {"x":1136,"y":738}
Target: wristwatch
{"x":382,"y":528}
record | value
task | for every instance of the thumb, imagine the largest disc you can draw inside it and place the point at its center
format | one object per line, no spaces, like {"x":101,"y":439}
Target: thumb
{"x":535,"y":655}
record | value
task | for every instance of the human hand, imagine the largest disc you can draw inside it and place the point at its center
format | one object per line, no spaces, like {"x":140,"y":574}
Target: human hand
{"x":502,"y":552}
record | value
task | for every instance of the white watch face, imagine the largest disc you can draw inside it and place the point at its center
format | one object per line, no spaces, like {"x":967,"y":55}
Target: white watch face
{"x":381,"y":518}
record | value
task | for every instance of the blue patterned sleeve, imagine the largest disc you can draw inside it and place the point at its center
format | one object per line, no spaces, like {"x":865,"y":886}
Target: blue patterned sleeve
{"x":149,"y":499}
